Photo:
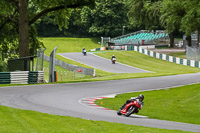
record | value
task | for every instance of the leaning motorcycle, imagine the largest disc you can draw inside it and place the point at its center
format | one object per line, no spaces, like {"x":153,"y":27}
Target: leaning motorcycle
{"x":129,"y":109}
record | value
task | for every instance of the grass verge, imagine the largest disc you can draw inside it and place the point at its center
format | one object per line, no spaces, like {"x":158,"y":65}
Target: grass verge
{"x":179,"y":104}
{"x":66,"y":45}
{"x":23,"y":121}
{"x":178,"y":54}
{"x":145,"y":62}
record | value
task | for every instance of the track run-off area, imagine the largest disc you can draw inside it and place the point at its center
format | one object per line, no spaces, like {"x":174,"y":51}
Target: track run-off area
{"x":67,"y":99}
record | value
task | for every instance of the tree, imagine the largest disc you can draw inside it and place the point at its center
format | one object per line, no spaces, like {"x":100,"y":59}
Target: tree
{"x":191,"y":20}
{"x":8,"y":30}
{"x":106,"y":19}
{"x":24,"y":13}
{"x":145,"y":14}
{"x":172,"y":12}
{"x":183,"y":15}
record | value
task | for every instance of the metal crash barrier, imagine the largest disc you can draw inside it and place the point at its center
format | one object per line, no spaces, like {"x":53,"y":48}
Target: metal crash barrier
{"x":22,"y":77}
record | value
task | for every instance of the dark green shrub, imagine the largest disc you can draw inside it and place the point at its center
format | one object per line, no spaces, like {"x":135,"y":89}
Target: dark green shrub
{"x":3,"y":66}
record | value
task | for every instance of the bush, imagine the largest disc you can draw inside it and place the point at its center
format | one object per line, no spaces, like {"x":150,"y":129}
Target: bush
{"x":3,"y":66}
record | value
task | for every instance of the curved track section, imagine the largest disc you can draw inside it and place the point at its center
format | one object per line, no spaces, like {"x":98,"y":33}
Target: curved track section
{"x":102,"y":63}
{"x":64,"y":99}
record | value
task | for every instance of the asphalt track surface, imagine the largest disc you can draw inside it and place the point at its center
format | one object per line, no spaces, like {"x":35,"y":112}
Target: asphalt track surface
{"x":102,"y":63}
{"x":65,"y":99}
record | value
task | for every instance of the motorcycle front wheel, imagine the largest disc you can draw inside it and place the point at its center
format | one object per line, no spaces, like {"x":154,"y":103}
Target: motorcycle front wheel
{"x":119,"y":112}
{"x":130,"y":110}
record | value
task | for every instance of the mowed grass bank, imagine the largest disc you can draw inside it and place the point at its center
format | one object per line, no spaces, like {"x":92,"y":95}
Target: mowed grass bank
{"x":178,"y":54}
{"x":23,"y":121}
{"x":179,"y":104}
{"x":145,"y":62}
{"x":66,"y":45}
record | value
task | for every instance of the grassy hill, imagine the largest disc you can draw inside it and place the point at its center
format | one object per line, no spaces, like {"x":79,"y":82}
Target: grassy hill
{"x":69,"y":44}
{"x":158,"y":67}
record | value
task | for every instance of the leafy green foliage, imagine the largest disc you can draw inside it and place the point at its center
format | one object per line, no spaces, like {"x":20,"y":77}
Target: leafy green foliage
{"x":3,"y":66}
{"x":145,"y":14}
{"x":191,"y":21}
{"x":172,"y":12}
{"x":108,"y":17}
{"x":9,"y":22}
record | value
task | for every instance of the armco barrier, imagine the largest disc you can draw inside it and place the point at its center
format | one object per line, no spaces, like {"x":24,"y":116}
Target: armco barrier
{"x":41,"y":78}
{"x":32,"y":77}
{"x":4,"y":78}
{"x":21,"y":77}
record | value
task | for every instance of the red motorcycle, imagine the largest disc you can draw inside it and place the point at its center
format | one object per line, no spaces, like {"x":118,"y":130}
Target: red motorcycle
{"x":129,"y":109}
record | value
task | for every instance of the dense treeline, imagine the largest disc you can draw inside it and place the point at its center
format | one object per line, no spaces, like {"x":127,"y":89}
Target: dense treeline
{"x":22,"y":21}
{"x":106,"y":19}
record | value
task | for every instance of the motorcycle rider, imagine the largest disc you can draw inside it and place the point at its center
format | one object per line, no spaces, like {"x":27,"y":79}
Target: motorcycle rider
{"x":113,"y":58}
{"x":84,"y":51}
{"x":139,"y":99}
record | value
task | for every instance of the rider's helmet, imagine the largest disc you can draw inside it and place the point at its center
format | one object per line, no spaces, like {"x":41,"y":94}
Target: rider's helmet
{"x":141,"y":97}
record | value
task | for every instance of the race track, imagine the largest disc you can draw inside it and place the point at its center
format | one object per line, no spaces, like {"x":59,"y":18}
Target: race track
{"x":64,"y":99}
{"x":102,"y":63}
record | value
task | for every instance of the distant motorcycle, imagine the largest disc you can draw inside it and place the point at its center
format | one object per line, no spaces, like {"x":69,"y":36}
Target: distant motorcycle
{"x":129,"y":109}
{"x":113,"y":60}
{"x":84,"y":52}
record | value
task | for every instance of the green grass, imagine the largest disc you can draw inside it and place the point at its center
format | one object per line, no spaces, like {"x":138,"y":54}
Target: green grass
{"x":69,"y":44}
{"x":179,"y":104}
{"x":145,"y":62}
{"x":23,"y":121}
{"x":178,"y":54}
